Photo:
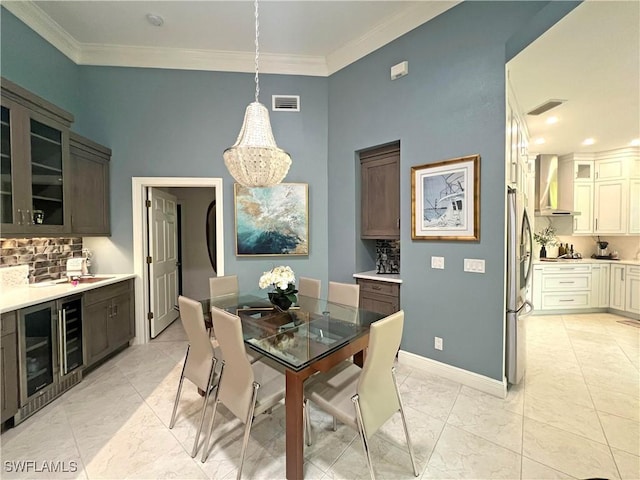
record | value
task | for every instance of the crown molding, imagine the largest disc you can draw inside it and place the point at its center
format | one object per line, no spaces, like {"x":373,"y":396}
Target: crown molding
{"x":41,"y":23}
{"x":385,"y":32}
{"x":193,"y":59}
{"x":225,"y":61}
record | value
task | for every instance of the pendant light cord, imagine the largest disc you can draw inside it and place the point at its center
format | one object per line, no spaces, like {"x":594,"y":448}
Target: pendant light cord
{"x":257,"y":52}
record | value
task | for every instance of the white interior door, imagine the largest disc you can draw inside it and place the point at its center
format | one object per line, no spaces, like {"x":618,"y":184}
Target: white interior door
{"x":163,"y":268}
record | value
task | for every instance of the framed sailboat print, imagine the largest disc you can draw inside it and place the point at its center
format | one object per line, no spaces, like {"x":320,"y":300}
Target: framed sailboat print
{"x":445,"y":200}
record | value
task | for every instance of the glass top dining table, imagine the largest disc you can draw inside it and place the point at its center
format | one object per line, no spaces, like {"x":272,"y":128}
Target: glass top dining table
{"x":314,"y":335}
{"x":308,"y":331}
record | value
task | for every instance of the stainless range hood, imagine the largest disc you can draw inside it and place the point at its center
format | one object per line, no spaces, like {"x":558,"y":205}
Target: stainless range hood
{"x":547,"y":188}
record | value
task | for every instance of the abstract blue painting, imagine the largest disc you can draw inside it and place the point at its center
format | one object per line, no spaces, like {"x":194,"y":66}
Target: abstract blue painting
{"x":272,"y":220}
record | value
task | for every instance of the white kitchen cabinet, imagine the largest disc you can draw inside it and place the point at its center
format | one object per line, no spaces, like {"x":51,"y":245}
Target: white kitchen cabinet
{"x":632,"y":289}
{"x":617,"y":287}
{"x":610,"y":168}
{"x":610,"y":206}
{"x":600,"y":274}
{"x":634,"y":207}
{"x":562,"y":286}
{"x":583,"y":203}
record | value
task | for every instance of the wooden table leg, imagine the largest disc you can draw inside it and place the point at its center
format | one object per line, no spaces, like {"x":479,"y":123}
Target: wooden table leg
{"x":359,"y":357}
{"x":294,"y":425}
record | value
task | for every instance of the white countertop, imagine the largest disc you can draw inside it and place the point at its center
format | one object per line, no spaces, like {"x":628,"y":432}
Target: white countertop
{"x":24,"y":296}
{"x":587,"y":260}
{"x":380,"y":277}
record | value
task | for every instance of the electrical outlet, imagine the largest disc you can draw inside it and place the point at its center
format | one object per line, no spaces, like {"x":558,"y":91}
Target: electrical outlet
{"x":437,"y":343}
{"x":437,"y":262}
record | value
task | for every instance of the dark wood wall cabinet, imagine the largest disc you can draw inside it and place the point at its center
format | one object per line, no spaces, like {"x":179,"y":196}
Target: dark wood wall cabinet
{"x":379,"y":296}
{"x":35,"y":162}
{"x":89,"y":187}
{"x":8,"y":367}
{"x":380,"y":187}
{"x":52,"y":182}
{"x":109,"y":320}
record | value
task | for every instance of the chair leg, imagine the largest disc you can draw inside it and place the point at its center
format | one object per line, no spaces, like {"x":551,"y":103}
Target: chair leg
{"x":335,"y":424}
{"x":363,"y":435}
{"x":194,"y":452}
{"x":247,"y":428}
{"x":307,"y":421}
{"x":404,"y":424}
{"x":205,"y":452}
{"x":175,"y":404}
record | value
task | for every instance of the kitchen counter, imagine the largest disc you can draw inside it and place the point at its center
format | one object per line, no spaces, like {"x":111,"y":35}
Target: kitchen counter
{"x":27,"y":295}
{"x":380,"y":277}
{"x":586,"y":260}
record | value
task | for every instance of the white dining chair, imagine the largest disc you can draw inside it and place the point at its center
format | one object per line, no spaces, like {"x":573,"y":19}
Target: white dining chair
{"x":364,"y":398}
{"x":309,"y":293}
{"x":246,"y":389}
{"x":344,"y":294}
{"x":224,"y":285}
{"x":199,"y":362}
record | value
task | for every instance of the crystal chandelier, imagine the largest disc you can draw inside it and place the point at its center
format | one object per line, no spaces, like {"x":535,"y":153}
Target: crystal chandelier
{"x":255,"y":160}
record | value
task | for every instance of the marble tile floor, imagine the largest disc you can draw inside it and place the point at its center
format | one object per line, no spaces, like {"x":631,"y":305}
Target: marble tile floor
{"x":576,"y":415}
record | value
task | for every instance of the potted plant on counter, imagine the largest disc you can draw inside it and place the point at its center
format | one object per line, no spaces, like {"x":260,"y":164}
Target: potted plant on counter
{"x":547,"y":236}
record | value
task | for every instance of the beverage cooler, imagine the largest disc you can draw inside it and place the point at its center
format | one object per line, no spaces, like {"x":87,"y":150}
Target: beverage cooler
{"x":50,"y":352}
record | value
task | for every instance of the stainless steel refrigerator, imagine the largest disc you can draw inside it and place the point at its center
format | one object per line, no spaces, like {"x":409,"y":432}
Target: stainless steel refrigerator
{"x":519,"y":271}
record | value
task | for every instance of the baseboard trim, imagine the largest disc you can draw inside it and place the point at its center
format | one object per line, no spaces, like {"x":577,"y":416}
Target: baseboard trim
{"x":479,"y":382}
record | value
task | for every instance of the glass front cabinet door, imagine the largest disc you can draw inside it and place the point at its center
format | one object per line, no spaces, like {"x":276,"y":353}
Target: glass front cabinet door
{"x":35,"y":160}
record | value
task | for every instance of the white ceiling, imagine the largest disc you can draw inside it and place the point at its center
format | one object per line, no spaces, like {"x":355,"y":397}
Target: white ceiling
{"x":591,"y":58}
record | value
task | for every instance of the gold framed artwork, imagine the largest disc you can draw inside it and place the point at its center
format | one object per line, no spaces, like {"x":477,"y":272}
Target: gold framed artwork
{"x":445,"y":200}
{"x":272,"y":220}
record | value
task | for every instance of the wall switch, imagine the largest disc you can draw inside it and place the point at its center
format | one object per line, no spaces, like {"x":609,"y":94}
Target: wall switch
{"x":437,"y":262}
{"x":473,"y":265}
{"x":437,"y":343}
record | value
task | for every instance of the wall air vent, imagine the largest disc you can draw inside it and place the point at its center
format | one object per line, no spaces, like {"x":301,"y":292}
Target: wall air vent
{"x":285,"y":103}
{"x":546,"y":106}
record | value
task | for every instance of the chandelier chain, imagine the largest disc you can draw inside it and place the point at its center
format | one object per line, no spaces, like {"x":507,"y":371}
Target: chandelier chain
{"x":257,"y":51}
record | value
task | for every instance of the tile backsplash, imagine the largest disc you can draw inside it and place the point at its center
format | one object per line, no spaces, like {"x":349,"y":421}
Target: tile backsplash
{"x":387,"y":256}
{"x":46,"y":257}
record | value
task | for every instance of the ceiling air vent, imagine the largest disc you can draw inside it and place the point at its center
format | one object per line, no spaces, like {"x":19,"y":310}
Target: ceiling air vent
{"x":546,"y":106}
{"x":285,"y":103}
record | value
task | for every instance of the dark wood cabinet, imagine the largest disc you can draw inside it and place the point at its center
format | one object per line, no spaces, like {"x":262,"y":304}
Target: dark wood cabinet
{"x":379,"y":296}
{"x":34,"y":190}
{"x":8,"y":367}
{"x":380,"y":187}
{"x":109,"y":320}
{"x":89,"y":186}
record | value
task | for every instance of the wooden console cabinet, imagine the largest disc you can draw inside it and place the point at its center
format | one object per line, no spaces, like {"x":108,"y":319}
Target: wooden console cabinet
{"x":8,"y":367}
{"x":379,"y":296}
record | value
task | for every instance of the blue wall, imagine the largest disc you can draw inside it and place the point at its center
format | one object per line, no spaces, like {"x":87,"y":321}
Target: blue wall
{"x":452,"y":103}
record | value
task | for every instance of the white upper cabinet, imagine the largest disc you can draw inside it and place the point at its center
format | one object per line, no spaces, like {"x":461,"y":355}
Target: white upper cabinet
{"x":605,"y":188}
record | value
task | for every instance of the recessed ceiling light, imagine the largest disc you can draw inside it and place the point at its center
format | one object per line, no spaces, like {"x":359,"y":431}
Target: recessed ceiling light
{"x":588,"y":141}
{"x":539,"y":141}
{"x":155,"y":20}
{"x":552,"y":120}
{"x":635,"y":142}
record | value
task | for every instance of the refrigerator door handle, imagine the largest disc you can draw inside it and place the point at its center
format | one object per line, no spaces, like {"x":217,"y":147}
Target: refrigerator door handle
{"x":526,"y":227}
{"x":527,"y":312}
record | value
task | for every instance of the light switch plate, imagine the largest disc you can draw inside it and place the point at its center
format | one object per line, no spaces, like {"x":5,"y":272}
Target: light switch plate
{"x":473,"y":265}
{"x":437,"y":262}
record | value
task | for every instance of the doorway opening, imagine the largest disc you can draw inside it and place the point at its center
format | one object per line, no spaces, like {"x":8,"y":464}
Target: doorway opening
{"x":192,"y":194}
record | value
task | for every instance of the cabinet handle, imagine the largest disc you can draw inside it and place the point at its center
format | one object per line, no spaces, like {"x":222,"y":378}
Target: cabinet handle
{"x":115,"y":310}
{"x":622,"y":274}
{"x":21,"y":217}
{"x":60,"y":354}
{"x":596,"y":224}
{"x":376,"y":287}
{"x":567,"y":300}
{"x":110,"y":309}
{"x":29,"y":220}
{"x":398,"y":223}
{"x":64,"y":343}
{"x":567,"y":282}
